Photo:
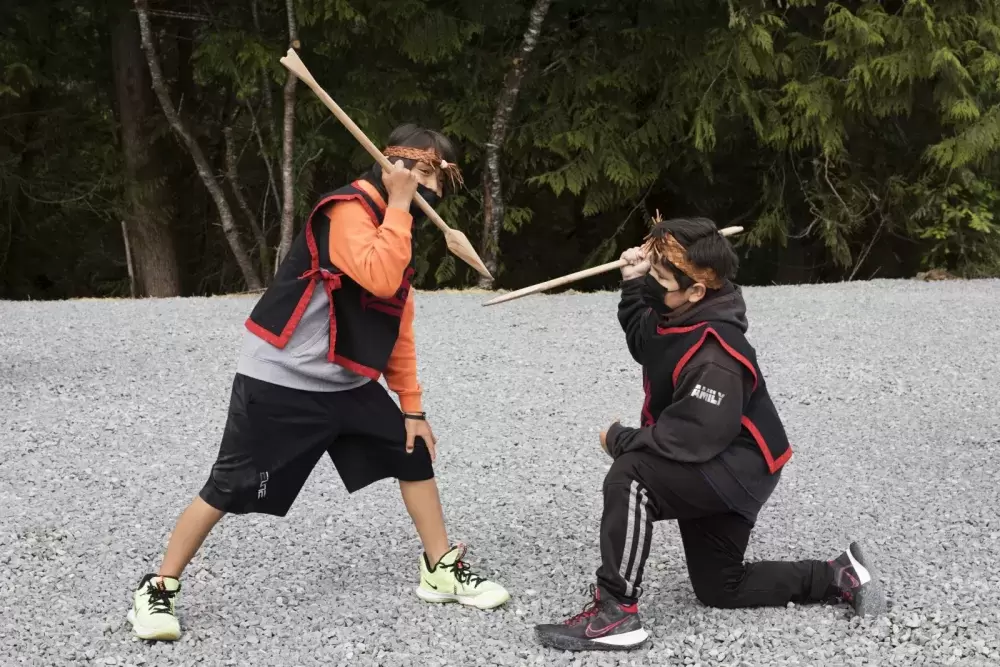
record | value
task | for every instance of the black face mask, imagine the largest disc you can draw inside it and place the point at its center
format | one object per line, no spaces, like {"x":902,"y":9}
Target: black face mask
{"x":429,"y":196}
{"x":655,"y":294}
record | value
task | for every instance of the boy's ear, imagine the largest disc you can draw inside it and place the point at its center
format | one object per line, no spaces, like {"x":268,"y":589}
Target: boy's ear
{"x":696,"y":292}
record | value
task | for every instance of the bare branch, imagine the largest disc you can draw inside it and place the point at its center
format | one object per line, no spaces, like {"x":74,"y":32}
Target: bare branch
{"x":826,"y":175}
{"x":267,"y":162}
{"x":232,"y":175}
{"x":868,"y":249}
{"x":307,"y":162}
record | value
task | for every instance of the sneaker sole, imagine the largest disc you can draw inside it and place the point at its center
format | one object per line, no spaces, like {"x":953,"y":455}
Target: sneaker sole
{"x":481,"y":601}
{"x":870,"y":599}
{"x":147,"y":633}
{"x":627,"y":641}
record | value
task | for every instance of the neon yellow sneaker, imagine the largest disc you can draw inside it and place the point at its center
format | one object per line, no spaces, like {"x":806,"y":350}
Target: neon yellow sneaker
{"x":451,"y":580}
{"x":153,"y":608}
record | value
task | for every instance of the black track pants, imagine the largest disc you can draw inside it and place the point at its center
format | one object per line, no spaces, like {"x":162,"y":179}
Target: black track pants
{"x":642,"y":488}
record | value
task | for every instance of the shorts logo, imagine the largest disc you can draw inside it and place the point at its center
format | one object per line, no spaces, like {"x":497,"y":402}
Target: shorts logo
{"x":262,"y":489}
{"x":708,"y":395}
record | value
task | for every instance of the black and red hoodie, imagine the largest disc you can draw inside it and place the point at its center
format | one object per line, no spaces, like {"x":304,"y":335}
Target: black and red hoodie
{"x":704,"y":391}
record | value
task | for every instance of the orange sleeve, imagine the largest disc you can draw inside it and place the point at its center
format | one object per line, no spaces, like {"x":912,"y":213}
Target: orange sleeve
{"x":401,"y":371}
{"x":374,"y":257}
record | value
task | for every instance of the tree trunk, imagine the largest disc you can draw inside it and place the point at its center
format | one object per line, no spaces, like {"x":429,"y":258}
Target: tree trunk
{"x":493,"y":205}
{"x":265,"y":82}
{"x":13,"y":258}
{"x":148,"y":216}
{"x":287,"y":150}
{"x":253,"y":282}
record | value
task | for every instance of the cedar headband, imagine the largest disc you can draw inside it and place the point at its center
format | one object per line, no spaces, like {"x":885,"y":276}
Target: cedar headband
{"x":670,"y":249}
{"x":429,"y":157}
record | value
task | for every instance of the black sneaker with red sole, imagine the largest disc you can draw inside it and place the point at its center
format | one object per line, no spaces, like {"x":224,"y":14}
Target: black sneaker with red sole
{"x":856,"y":581}
{"x":604,"y":625}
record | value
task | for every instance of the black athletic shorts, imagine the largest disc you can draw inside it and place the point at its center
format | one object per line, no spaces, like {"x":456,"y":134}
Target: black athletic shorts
{"x":275,"y":435}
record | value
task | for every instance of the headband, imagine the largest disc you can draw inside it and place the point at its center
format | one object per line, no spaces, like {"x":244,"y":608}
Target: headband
{"x":429,"y":157}
{"x":670,"y":249}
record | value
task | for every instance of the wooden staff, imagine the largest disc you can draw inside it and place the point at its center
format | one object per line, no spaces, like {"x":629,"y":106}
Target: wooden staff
{"x":586,"y":273}
{"x":456,"y":240}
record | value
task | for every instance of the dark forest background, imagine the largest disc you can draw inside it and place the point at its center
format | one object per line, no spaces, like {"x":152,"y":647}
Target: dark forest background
{"x":851,"y":139}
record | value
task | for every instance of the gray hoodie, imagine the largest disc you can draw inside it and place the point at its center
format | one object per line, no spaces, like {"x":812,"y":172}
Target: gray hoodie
{"x":302,"y":364}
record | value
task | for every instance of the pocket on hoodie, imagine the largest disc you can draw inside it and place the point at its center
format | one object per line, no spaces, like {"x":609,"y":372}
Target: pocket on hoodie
{"x":314,"y":346}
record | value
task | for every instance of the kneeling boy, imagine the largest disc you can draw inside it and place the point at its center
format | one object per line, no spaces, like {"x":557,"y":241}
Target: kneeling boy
{"x":708,"y":455}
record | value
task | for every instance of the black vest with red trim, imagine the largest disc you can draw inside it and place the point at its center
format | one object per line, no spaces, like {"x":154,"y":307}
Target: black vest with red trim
{"x":363,"y":327}
{"x":669,"y":351}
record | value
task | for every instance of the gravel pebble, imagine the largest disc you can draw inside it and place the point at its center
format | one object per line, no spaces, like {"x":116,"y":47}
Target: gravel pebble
{"x":111,"y":414}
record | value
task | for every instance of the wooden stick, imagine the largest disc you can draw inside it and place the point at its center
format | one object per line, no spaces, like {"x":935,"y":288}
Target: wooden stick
{"x":586,"y":273}
{"x":456,"y":240}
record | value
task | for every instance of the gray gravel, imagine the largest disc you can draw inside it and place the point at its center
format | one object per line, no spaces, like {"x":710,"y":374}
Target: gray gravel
{"x":111,"y":412}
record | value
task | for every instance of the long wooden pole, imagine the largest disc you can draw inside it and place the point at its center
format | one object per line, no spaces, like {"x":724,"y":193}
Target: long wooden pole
{"x":456,"y":240}
{"x":579,"y":275}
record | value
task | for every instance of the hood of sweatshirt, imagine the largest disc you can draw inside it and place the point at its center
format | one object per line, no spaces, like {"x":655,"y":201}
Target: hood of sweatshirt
{"x":726,"y":305}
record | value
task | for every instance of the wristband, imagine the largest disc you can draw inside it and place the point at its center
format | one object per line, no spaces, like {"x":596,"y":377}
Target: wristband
{"x":419,"y":416}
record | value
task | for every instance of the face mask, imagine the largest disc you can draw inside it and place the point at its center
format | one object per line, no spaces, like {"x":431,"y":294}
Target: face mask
{"x":655,"y":293}
{"x":429,"y":196}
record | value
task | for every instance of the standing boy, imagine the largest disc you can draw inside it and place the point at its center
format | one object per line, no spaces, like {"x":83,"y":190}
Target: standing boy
{"x":708,"y":455}
{"x":338,"y":315}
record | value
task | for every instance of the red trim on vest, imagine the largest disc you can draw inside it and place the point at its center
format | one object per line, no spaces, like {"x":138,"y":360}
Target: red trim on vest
{"x":356,"y":367}
{"x":371,"y":214}
{"x":646,"y":414}
{"x":363,"y":202}
{"x":289,"y":328}
{"x":679,"y":330}
{"x":701,"y":341}
{"x":772,"y":465}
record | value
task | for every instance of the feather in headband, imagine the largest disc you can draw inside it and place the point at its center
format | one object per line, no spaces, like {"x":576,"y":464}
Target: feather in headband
{"x":669,"y":248}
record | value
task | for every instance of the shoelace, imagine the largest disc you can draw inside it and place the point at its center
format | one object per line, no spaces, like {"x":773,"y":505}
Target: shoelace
{"x":464,"y":574}
{"x":589,"y":610}
{"x":159,"y":598}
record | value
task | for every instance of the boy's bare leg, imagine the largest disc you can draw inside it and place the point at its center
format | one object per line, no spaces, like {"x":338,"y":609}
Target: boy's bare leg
{"x":192,"y":528}
{"x":424,"y":505}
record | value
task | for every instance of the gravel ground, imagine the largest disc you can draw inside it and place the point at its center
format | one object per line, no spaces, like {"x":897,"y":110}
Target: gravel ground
{"x":111,"y":413}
